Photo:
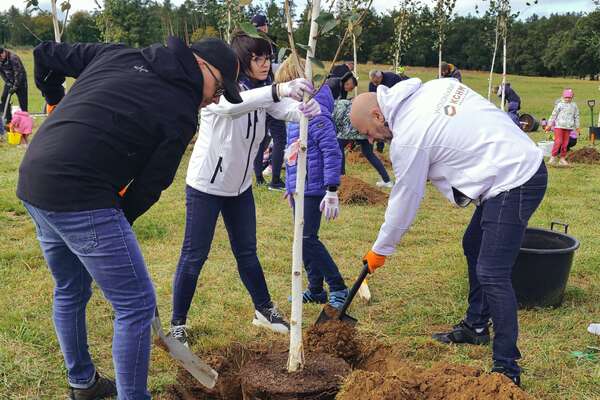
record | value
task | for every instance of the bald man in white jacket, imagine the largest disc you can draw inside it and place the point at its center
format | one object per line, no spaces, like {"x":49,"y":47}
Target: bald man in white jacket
{"x":443,"y":132}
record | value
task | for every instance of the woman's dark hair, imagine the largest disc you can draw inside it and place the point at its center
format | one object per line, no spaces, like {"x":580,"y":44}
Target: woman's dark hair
{"x":245,"y":46}
{"x":349,"y":75}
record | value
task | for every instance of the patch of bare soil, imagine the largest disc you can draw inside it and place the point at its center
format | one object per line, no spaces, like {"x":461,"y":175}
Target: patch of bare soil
{"x":587,"y":155}
{"x":355,"y":191}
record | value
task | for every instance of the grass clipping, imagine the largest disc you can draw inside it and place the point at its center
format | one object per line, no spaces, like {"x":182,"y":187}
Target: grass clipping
{"x":357,"y":192}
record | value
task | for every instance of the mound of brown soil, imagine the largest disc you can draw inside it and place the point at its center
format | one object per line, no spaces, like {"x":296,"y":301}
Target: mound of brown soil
{"x":356,"y":157}
{"x":334,"y":337}
{"x":355,"y":191}
{"x":587,"y":155}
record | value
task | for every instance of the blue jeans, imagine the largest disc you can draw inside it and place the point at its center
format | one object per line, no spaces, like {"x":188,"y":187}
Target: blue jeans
{"x":367,"y":150}
{"x":317,"y":261}
{"x":239,"y":215}
{"x":491,"y":244}
{"x":98,"y":245}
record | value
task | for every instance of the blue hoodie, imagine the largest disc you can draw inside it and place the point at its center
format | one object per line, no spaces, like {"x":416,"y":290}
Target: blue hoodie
{"x":324,"y":157}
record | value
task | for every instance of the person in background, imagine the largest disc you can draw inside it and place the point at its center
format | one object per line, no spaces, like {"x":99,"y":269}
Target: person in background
{"x":323,"y":161}
{"x":342,"y":69}
{"x":450,"y":71}
{"x":275,"y":128}
{"x":22,"y":123}
{"x":346,"y":134}
{"x":15,"y":81}
{"x":512,"y":101}
{"x":340,"y":87}
{"x":125,"y":123}
{"x":491,"y":164}
{"x":219,"y":182}
{"x":564,"y":118}
{"x":387,"y":79}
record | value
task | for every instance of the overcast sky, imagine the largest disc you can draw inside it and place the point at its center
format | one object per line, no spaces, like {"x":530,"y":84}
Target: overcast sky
{"x":463,"y":7}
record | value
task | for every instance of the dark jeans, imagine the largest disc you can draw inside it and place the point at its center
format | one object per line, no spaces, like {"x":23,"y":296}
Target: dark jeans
{"x":98,"y":245}
{"x":572,"y":143}
{"x":21,"y":94}
{"x":491,"y":244}
{"x":317,"y":261}
{"x":367,"y":150}
{"x":278,"y":134}
{"x":380,"y":146}
{"x":202,"y":212}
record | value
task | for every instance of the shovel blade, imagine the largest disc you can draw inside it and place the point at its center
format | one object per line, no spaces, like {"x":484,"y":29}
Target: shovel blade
{"x":345,"y":318}
{"x":188,"y":360}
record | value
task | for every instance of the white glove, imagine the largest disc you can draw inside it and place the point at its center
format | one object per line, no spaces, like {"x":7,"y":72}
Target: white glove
{"x":310,"y":109}
{"x":594,"y":329}
{"x":295,"y":89}
{"x":330,"y":205}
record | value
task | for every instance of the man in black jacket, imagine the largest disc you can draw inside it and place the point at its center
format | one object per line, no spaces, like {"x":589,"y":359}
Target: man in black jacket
{"x":125,"y":123}
{"x":15,"y":80}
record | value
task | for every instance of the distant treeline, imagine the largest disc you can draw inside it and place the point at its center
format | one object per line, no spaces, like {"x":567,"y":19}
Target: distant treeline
{"x":559,"y":45}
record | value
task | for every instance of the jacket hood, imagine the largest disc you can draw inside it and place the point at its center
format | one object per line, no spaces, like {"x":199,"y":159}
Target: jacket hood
{"x":325,"y":99}
{"x":176,"y":63}
{"x":390,"y":99}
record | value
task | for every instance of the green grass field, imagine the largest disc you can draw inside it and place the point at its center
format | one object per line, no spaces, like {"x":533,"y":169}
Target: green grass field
{"x":422,"y":288}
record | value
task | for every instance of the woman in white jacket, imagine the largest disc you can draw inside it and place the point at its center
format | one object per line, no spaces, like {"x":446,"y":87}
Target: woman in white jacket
{"x":219,"y":180}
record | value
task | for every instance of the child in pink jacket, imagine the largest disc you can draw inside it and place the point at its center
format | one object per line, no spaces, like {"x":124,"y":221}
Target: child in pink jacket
{"x":22,"y":123}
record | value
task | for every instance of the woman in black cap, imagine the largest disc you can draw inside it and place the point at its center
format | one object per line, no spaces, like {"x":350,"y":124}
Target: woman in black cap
{"x":219,"y":181}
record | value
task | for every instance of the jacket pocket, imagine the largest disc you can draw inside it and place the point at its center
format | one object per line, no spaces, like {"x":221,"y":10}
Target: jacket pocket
{"x":218,"y":169}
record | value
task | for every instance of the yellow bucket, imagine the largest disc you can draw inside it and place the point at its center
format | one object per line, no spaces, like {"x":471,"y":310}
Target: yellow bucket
{"x":14,"y":138}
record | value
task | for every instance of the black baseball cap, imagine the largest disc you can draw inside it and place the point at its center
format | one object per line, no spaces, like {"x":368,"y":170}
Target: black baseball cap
{"x":259,"y":20}
{"x":218,"y":54}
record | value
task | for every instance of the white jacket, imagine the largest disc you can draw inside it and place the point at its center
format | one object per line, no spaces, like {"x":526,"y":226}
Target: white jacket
{"x":228,"y":140}
{"x":446,"y":133}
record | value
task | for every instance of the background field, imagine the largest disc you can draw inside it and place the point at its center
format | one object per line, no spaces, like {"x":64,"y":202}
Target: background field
{"x":420,"y":290}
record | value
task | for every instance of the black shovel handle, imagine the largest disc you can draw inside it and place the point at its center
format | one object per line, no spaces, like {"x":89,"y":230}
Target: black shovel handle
{"x":354,"y":290}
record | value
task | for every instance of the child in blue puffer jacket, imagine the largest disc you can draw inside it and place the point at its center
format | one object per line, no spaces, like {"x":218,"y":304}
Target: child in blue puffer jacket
{"x":324,"y":163}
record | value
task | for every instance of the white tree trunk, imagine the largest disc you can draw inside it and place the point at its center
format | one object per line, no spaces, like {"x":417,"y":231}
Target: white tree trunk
{"x":503,"y":73}
{"x":55,"y":21}
{"x":440,"y":61}
{"x":493,"y":63}
{"x":296,"y":356}
{"x":355,"y":63}
{"x":398,"y":49}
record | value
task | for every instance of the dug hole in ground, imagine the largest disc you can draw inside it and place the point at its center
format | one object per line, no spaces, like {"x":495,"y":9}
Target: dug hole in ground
{"x":340,"y":364}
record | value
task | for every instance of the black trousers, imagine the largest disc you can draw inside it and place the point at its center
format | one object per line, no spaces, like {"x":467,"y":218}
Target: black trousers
{"x":21,"y":94}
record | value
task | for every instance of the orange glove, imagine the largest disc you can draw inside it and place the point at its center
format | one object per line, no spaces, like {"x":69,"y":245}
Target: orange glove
{"x":374,"y":260}
{"x":50,"y":108}
{"x":122,"y":191}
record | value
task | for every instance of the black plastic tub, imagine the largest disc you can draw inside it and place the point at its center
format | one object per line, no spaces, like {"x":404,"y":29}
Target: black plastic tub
{"x":542,"y":268}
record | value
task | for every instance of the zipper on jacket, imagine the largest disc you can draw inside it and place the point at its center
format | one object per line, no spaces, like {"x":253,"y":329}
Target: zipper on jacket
{"x":250,"y":147}
{"x":217,"y":170}
{"x":248,"y":127}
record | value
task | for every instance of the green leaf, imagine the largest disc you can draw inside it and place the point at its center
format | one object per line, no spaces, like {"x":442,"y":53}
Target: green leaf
{"x":250,"y":30}
{"x":65,"y":5}
{"x":324,"y":17}
{"x":281,"y":54}
{"x":329,"y":25}
{"x":317,"y":62}
{"x":302,"y":46}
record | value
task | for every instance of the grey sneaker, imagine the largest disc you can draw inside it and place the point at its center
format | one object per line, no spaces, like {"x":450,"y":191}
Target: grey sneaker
{"x":338,"y":298}
{"x":271,"y":318}
{"x":103,"y":388}
{"x":179,"y":332}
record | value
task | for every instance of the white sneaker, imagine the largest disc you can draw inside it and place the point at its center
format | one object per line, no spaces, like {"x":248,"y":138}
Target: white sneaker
{"x":179,"y":332}
{"x":564,"y":162}
{"x":552,"y":160}
{"x":271,"y":318}
{"x":383,"y":184}
{"x":267,"y":171}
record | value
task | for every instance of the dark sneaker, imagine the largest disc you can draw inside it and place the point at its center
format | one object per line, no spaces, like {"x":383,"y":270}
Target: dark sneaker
{"x":463,"y":333}
{"x":310,"y":297}
{"x":179,"y":333}
{"x":271,"y":318}
{"x":278,"y":186}
{"x":338,"y":298}
{"x":103,"y":388}
{"x":501,"y":370}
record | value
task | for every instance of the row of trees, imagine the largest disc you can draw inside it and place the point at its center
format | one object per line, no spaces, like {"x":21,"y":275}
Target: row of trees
{"x":558,"y":45}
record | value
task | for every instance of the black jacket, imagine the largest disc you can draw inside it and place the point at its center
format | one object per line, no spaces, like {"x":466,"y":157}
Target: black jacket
{"x":127,"y":120}
{"x":12,"y":70}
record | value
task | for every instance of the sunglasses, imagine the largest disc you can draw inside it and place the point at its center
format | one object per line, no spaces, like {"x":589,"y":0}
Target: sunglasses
{"x":219,"y":89}
{"x":261,"y":61}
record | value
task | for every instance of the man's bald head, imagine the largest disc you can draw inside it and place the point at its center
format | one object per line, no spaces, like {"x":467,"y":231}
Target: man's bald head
{"x":367,"y":118}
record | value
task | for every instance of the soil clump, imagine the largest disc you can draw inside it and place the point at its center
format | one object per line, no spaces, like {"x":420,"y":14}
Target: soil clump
{"x":586,"y":155}
{"x":356,"y":156}
{"x":355,"y":191}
